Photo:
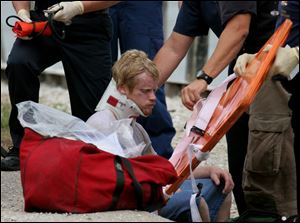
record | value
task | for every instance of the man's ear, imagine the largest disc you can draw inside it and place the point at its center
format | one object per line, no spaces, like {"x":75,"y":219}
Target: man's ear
{"x":122,"y":89}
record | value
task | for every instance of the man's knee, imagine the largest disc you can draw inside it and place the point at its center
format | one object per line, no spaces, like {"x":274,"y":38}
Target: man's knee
{"x":19,"y":67}
{"x":16,"y":60}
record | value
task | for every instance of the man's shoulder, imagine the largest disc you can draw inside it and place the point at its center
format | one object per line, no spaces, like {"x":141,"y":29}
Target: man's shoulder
{"x":102,"y":116}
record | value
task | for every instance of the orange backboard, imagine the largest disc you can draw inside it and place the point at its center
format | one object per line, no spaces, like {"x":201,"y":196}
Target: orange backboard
{"x":233,"y":103}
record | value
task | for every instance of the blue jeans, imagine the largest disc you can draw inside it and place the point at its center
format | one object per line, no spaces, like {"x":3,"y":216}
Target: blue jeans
{"x":178,"y":207}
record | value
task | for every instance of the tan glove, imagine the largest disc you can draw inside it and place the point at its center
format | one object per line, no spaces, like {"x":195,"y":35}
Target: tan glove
{"x":65,"y":11}
{"x":24,"y":15}
{"x":286,"y":60}
{"x":242,"y":62}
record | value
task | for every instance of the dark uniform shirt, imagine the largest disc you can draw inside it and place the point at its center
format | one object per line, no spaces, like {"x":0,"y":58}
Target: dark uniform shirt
{"x":42,"y":5}
{"x":196,"y":17}
{"x":290,"y":10}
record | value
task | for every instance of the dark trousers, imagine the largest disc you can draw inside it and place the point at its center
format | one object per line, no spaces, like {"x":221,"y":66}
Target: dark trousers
{"x":237,"y":141}
{"x":86,"y":58}
{"x":138,"y":25}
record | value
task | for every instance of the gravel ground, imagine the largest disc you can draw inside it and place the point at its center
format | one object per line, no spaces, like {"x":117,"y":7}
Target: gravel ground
{"x":12,"y":205}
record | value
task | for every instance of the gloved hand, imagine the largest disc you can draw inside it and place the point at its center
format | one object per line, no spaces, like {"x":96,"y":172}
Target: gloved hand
{"x":65,"y":11}
{"x":285,"y":61}
{"x":24,"y":15}
{"x":242,"y":62}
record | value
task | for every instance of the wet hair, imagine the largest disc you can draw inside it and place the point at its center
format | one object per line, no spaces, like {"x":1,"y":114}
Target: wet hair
{"x":131,"y":64}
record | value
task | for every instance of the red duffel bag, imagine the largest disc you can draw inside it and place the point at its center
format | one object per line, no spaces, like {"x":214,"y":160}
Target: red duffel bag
{"x":62,"y":175}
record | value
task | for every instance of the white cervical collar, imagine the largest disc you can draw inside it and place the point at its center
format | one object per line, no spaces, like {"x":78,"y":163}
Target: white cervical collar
{"x":118,"y":103}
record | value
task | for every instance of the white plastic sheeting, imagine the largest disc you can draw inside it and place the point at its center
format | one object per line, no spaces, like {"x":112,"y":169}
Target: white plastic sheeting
{"x":49,"y":122}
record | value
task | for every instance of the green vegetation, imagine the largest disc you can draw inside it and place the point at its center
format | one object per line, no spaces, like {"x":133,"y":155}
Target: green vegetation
{"x":5,"y":135}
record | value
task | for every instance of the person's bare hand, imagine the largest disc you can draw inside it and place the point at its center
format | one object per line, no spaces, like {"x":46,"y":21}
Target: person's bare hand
{"x":216,"y":174}
{"x":191,"y":93}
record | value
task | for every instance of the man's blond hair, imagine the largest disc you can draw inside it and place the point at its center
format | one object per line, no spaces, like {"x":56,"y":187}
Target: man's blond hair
{"x":131,"y":64}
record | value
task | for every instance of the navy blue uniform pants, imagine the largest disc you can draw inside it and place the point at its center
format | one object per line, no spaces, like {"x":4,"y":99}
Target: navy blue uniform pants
{"x":138,"y":25}
{"x":86,"y":57}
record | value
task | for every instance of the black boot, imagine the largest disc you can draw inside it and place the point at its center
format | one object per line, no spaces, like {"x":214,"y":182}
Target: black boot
{"x":11,"y":162}
{"x":294,"y":218}
{"x":3,"y":152}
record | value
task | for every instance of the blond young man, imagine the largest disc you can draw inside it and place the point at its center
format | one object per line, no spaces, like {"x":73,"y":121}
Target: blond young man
{"x":132,"y":93}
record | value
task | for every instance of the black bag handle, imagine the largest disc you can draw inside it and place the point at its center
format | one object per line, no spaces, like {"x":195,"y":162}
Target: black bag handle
{"x":119,"y":185}
{"x":137,"y":186}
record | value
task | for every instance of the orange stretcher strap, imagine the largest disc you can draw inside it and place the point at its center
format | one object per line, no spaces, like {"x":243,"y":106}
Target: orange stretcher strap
{"x":233,"y":103}
{"x":30,"y":29}
{"x":23,"y":29}
{"x":37,"y":28}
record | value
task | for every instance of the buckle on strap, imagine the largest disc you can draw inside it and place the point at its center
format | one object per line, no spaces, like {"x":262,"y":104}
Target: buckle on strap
{"x":197,"y":131}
